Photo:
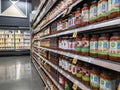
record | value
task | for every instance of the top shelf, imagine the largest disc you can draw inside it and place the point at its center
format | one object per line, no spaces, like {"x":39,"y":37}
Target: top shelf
{"x":44,"y":13}
{"x":73,"y":5}
{"x":41,"y":5}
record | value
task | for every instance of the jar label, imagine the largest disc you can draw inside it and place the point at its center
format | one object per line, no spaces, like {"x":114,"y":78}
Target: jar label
{"x":74,"y":69}
{"x":115,"y":6}
{"x":73,"y":45}
{"x":107,"y":84}
{"x":94,"y":80}
{"x":85,"y":46}
{"x":93,"y":13}
{"x":70,"y":45}
{"x":114,"y":48}
{"x":102,"y":9}
{"x":103,"y":47}
{"x":93,"y":47}
{"x":79,"y":72}
{"x":78,"y":46}
{"x":85,"y":15}
{"x":86,"y":75}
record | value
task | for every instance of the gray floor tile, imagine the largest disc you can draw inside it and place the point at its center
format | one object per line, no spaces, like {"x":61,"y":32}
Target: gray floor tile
{"x":17,"y":73}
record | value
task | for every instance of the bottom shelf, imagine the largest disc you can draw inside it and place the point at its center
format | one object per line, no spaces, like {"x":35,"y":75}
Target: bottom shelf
{"x":50,"y":82}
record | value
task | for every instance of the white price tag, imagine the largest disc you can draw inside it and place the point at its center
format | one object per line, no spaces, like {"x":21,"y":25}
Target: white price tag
{"x":91,"y":60}
{"x":68,"y":76}
{"x":90,"y":27}
{"x":76,"y":82}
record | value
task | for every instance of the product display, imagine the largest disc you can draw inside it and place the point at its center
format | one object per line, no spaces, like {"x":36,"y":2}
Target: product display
{"x":14,"y":39}
{"x":77,"y":43}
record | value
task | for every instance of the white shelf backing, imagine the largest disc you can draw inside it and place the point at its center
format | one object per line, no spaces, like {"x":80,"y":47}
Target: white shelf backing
{"x":41,"y":76}
{"x":86,"y":28}
{"x":56,"y":83}
{"x":73,"y":5}
{"x":100,"y":62}
{"x":79,"y":84}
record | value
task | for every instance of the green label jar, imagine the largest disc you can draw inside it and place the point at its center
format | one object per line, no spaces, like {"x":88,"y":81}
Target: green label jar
{"x":103,"y":46}
{"x":94,"y":80}
{"x":114,"y":48}
{"x":93,"y":47}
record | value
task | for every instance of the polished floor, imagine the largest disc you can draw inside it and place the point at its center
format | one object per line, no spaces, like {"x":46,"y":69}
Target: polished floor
{"x":17,"y":73}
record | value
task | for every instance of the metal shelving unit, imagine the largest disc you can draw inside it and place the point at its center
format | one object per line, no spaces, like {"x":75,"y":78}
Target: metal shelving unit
{"x":71,"y":78}
{"x":114,"y":22}
{"x":44,"y":14}
{"x":56,"y":83}
{"x":73,"y":5}
{"x":100,"y":62}
{"x":38,"y":70}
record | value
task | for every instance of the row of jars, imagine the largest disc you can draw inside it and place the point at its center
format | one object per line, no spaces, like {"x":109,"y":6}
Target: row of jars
{"x":61,"y":6}
{"x":98,"y":11}
{"x":97,"y":78}
{"x":104,"y":46}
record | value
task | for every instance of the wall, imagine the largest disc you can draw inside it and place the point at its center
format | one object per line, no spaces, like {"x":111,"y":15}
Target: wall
{"x":15,"y":21}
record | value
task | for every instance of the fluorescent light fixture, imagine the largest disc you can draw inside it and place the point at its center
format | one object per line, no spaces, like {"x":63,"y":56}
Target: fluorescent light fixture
{"x":14,"y":1}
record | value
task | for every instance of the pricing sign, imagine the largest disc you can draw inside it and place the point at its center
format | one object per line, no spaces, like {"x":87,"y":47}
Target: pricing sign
{"x":74,"y":61}
{"x":74,"y":87}
{"x":75,"y":34}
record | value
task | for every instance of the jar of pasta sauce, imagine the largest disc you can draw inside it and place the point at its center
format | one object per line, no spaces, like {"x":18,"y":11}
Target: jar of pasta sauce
{"x":79,"y":70}
{"x":85,"y":15}
{"x":86,"y":74}
{"x":78,"y":17}
{"x":114,"y":8}
{"x":114,"y":51}
{"x":85,"y":45}
{"x":95,"y":78}
{"x":108,"y":80}
{"x":103,"y":46}
{"x":93,"y":46}
{"x":78,"y":44}
{"x":93,"y":12}
{"x":102,"y":10}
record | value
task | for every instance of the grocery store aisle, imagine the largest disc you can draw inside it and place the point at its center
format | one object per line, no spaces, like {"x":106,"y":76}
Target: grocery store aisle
{"x":17,"y":73}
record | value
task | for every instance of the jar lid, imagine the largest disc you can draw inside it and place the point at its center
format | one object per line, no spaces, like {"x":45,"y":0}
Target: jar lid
{"x":94,"y":2}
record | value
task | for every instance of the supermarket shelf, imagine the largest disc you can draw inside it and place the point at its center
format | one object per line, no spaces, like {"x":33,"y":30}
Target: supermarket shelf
{"x":100,"y":62}
{"x":57,"y":84}
{"x":73,"y":5}
{"x":45,"y":14}
{"x":38,"y":11}
{"x":108,"y":23}
{"x":79,"y":84}
{"x":41,"y":75}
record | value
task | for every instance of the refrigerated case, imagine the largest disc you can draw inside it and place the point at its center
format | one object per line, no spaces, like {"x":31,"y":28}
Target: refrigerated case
{"x":14,"y":40}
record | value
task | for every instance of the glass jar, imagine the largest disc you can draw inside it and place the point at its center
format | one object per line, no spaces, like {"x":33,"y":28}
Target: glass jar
{"x":78,"y":17}
{"x":86,"y":74}
{"x":102,"y":10}
{"x":85,"y":15}
{"x":103,"y":46}
{"x":114,"y":8}
{"x":93,"y":46}
{"x":78,"y":45}
{"x":95,"y":78}
{"x":93,"y":12}
{"x":114,"y":51}
{"x":108,"y":80}
{"x":85,"y":45}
